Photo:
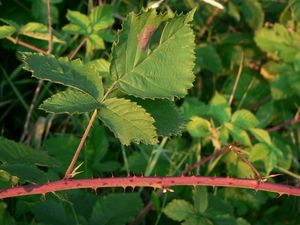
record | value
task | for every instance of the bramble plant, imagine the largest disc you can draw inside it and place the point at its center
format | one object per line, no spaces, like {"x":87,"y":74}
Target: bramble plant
{"x":179,"y":110}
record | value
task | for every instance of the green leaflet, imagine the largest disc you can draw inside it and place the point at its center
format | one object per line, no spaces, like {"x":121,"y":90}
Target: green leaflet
{"x":25,"y":172}
{"x":73,"y":74}
{"x":78,"y":19}
{"x":208,"y":58}
{"x":70,"y":101}
{"x":6,"y":31}
{"x":12,"y":152}
{"x":199,"y":127}
{"x":179,"y":210}
{"x":128,"y":121}
{"x":244,"y":119}
{"x":38,"y":31}
{"x":116,"y":209}
{"x":219,"y":109}
{"x":278,"y":41}
{"x":168,"y":119}
{"x":91,"y":26}
{"x":238,"y":134}
{"x":21,"y":161}
{"x":101,"y":17}
{"x":200,"y":197}
{"x":162,"y":69}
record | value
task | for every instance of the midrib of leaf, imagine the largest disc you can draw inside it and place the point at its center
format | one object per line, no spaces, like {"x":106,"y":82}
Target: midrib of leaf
{"x":161,"y":43}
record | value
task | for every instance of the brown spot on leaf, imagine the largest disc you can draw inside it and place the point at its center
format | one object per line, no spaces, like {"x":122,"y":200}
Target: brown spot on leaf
{"x":144,"y":37}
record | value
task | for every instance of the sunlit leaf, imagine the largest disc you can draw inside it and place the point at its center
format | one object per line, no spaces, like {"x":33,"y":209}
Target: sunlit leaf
{"x":162,"y":70}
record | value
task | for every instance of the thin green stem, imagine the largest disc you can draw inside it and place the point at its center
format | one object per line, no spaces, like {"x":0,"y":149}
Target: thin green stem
{"x":287,"y":172}
{"x":125,"y":159}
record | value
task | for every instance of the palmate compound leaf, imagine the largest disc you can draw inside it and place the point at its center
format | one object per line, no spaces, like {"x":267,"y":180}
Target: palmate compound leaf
{"x":70,"y":101}
{"x":69,"y":73}
{"x":128,"y":121}
{"x":148,"y":69}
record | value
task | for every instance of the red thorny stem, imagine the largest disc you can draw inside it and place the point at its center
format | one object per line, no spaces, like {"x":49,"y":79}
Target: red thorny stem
{"x":188,"y":169}
{"x":155,"y":182}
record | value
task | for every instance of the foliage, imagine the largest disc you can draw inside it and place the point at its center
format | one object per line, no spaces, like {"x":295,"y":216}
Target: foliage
{"x":161,"y":80}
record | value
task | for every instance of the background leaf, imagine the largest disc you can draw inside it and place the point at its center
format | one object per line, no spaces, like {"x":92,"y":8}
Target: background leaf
{"x":179,"y":210}
{"x":6,"y":31}
{"x":125,"y":207}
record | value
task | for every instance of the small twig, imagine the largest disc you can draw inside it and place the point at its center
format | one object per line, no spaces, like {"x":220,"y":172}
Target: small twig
{"x":206,"y":159}
{"x":109,"y":90}
{"x":29,"y":113}
{"x":41,"y":82}
{"x":237,"y":79}
{"x":72,"y":55}
{"x":241,"y":157}
{"x":50,"y":41}
{"x":155,"y":182}
{"x":68,"y":174}
{"x":209,"y":21}
{"x":284,"y":124}
{"x":32,"y":47}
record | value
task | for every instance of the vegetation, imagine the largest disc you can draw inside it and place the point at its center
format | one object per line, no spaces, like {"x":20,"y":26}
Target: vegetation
{"x":139,"y":112}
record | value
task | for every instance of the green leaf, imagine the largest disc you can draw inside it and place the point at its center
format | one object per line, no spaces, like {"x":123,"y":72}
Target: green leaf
{"x":70,"y":101}
{"x":179,"y":210}
{"x":238,"y":134}
{"x":53,"y":211}
{"x":197,"y":220}
{"x":265,"y":153}
{"x":102,"y":66}
{"x":38,"y":31}
{"x":25,"y":172}
{"x":73,"y":74}
{"x":62,"y":147}
{"x":218,"y":207}
{"x":278,"y":41}
{"x":218,"y":108}
{"x":128,"y":121}
{"x":5,"y":217}
{"x":163,"y":70}
{"x":193,"y":107}
{"x":13,"y":152}
{"x":258,"y":152}
{"x":208,"y":58}
{"x":295,"y":6}
{"x":101,"y":17}
{"x":116,"y":209}
{"x":73,"y":29}
{"x":261,"y":135}
{"x":96,"y":41}
{"x":79,"y":19}
{"x":271,"y":161}
{"x":252,"y":11}
{"x":168,"y":119}
{"x":200,"y":197}
{"x":244,"y":119}
{"x":198,"y":127}
{"x":6,"y":31}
